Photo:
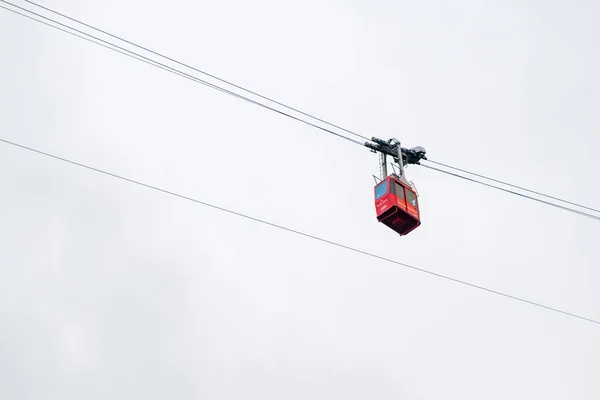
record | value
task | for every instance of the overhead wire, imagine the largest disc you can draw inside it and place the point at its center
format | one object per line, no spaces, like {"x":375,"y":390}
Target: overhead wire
{"x":514,"y":186}
{"x":196,"y":69}
{"x":515,"y":193}
{"x":297,"y":232}
{"x":90,"y":40}
{"x":165,"y":67}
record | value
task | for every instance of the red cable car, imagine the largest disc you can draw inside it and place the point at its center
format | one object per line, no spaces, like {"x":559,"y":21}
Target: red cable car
{"x":396,"y":205}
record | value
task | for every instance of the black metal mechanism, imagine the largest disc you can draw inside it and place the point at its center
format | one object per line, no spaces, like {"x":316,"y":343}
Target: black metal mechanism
{"x":390,"y":148}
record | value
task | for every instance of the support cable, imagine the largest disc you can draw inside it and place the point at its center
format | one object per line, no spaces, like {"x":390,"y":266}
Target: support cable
{"x":195,"y":69}
{"x":514,"y":186}
{"x":515,"y":193}
{"x":158,"y":64}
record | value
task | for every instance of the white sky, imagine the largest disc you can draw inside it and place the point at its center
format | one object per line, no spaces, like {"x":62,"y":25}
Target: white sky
{"x":108,"y":290}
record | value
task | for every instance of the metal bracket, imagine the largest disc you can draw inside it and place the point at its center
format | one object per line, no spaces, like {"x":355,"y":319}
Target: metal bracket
{"x":399,"y":155}
{"x":390,"y":148}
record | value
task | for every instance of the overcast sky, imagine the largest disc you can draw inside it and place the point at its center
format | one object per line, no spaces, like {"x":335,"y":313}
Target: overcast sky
{"x":108,"y":290}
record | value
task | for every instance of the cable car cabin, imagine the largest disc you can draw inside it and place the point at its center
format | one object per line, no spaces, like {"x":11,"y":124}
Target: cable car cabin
{"x":396,"y":205}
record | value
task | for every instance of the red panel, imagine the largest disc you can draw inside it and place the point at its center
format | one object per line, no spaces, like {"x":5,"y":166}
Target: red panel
{"x":401,"y":203}
{"x":412,"y":210}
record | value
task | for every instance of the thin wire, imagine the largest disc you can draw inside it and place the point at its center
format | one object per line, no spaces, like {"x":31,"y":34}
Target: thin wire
{"x":196,"y":69}
{"x":155,"y":63}
{"x":512,"y":192}
{"x":90,"y":40}
{"x":168,"y":69}
{"x":515,"y":186}
{"x":281,"y":227}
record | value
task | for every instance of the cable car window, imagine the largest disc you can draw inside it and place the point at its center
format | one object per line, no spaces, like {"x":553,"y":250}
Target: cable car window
{"x":381,"y":189}
{"x":411,"y":197}
{"x":399,"y":190}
